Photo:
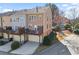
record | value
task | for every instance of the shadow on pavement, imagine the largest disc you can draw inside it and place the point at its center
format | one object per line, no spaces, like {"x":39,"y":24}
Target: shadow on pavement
{"x":57,"y":48}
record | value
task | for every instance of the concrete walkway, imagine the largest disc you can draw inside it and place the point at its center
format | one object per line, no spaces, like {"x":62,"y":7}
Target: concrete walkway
{"x":6,"y":47}
{"x":27,"y":48}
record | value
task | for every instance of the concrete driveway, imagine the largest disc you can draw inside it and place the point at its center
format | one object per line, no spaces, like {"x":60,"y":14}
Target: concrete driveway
{"x":27,"y":48}
{"x":55,"y":49}
{"x":6,"y":47}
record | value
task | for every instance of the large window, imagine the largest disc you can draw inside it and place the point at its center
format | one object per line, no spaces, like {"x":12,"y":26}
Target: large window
{"x":32,"y":17}
{"x":29,"y":17}
{"x":21,"y":18}
{"x":16,"y":28}
{"x":35,"y":17}
{"x":13,"y":19}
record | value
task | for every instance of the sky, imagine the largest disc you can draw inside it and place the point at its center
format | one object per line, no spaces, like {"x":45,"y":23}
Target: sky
{"x":16,"y":6}
{"x":4,"y":7}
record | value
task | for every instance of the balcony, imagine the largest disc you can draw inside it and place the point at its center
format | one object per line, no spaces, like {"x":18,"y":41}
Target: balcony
{"x":1,"y":29}
{"x":35,"y":32}
{"x":22,"y":30}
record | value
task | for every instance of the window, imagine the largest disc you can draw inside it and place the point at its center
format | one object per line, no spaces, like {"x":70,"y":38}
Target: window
{"x":16,"y":28}
{"x":10,"y":20}
{"x":17,"y":19}
{"x":47,"y":18}
{"x":21,"y":18}
{"x":3,"y":20}
{"x":13,"y":19}
{"x":29,"y":17}
{"x":32,"y":18}
{"x":40,"y":17}
{"x":47,"y":26}
{"x":35,"y":27}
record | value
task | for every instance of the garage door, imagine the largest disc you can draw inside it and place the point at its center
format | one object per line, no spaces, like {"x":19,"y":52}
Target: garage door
{"x":5,"y":35}
{"x":0,"y":34}
{"x":17,"y":38}
{"x":35,"y":38}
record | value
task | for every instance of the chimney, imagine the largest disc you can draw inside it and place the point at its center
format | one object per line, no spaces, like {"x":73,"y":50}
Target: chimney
{"x":36,"y":9}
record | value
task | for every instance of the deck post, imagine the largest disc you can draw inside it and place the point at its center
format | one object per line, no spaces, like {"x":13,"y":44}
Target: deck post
{"x":20,"y":38}
{"x":39,"y":39}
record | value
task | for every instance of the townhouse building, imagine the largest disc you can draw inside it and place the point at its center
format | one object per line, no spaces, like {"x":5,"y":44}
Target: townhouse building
{"x":33,"y":19}
{"x":5,"y":19}
{"x":36,"y":21}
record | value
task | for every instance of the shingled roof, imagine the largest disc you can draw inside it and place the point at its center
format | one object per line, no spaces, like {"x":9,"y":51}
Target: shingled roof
{"x":7,"y":13}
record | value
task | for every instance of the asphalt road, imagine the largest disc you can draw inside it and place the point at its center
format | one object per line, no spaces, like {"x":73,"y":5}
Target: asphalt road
{"x":55,"y":49}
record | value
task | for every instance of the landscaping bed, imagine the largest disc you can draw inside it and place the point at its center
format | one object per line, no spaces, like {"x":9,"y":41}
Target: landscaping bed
{"x":42,"y":47}
{"x":47,"y":42}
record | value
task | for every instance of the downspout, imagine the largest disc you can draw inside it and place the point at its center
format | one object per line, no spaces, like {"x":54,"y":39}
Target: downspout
{"x":2,"y":25}
{"x":26,"y":34}
{"x":42,"y":27}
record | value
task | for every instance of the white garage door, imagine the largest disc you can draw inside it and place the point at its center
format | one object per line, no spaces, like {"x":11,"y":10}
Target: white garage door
{"x":17,"y":37}
{"x":5,"y":35}
{"x":35,"y":38}
{"x":0,"y":34}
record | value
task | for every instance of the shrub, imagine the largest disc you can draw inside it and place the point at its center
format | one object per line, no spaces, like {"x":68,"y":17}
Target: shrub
{"x":67,"y":26}
{"x":1,"y":37}
{"x":11,"y":39}
{"x":76,"y":31}
{"x":52,"y":36}
{"x":49,"y":39}
{"x":2,"y":43}
{"x":15,"y":45}
{"x":57,"y":28}
{"x":77,"y":26}
{"x":46,"y":41}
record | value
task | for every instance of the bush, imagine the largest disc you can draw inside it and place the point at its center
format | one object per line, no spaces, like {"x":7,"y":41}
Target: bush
{"x":77,"y":26}
{"x":76,"y":31}
{"x":11,"y":39}
{"x":1,"y":37}
{"x":49,"y":39}
{"x":2,"y":43}
{"x":57,"y":28}
{"x":15,"y":45}
{"x":67,"y":26}
{"x":52,"y":36}
{"x":46,"y":41}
